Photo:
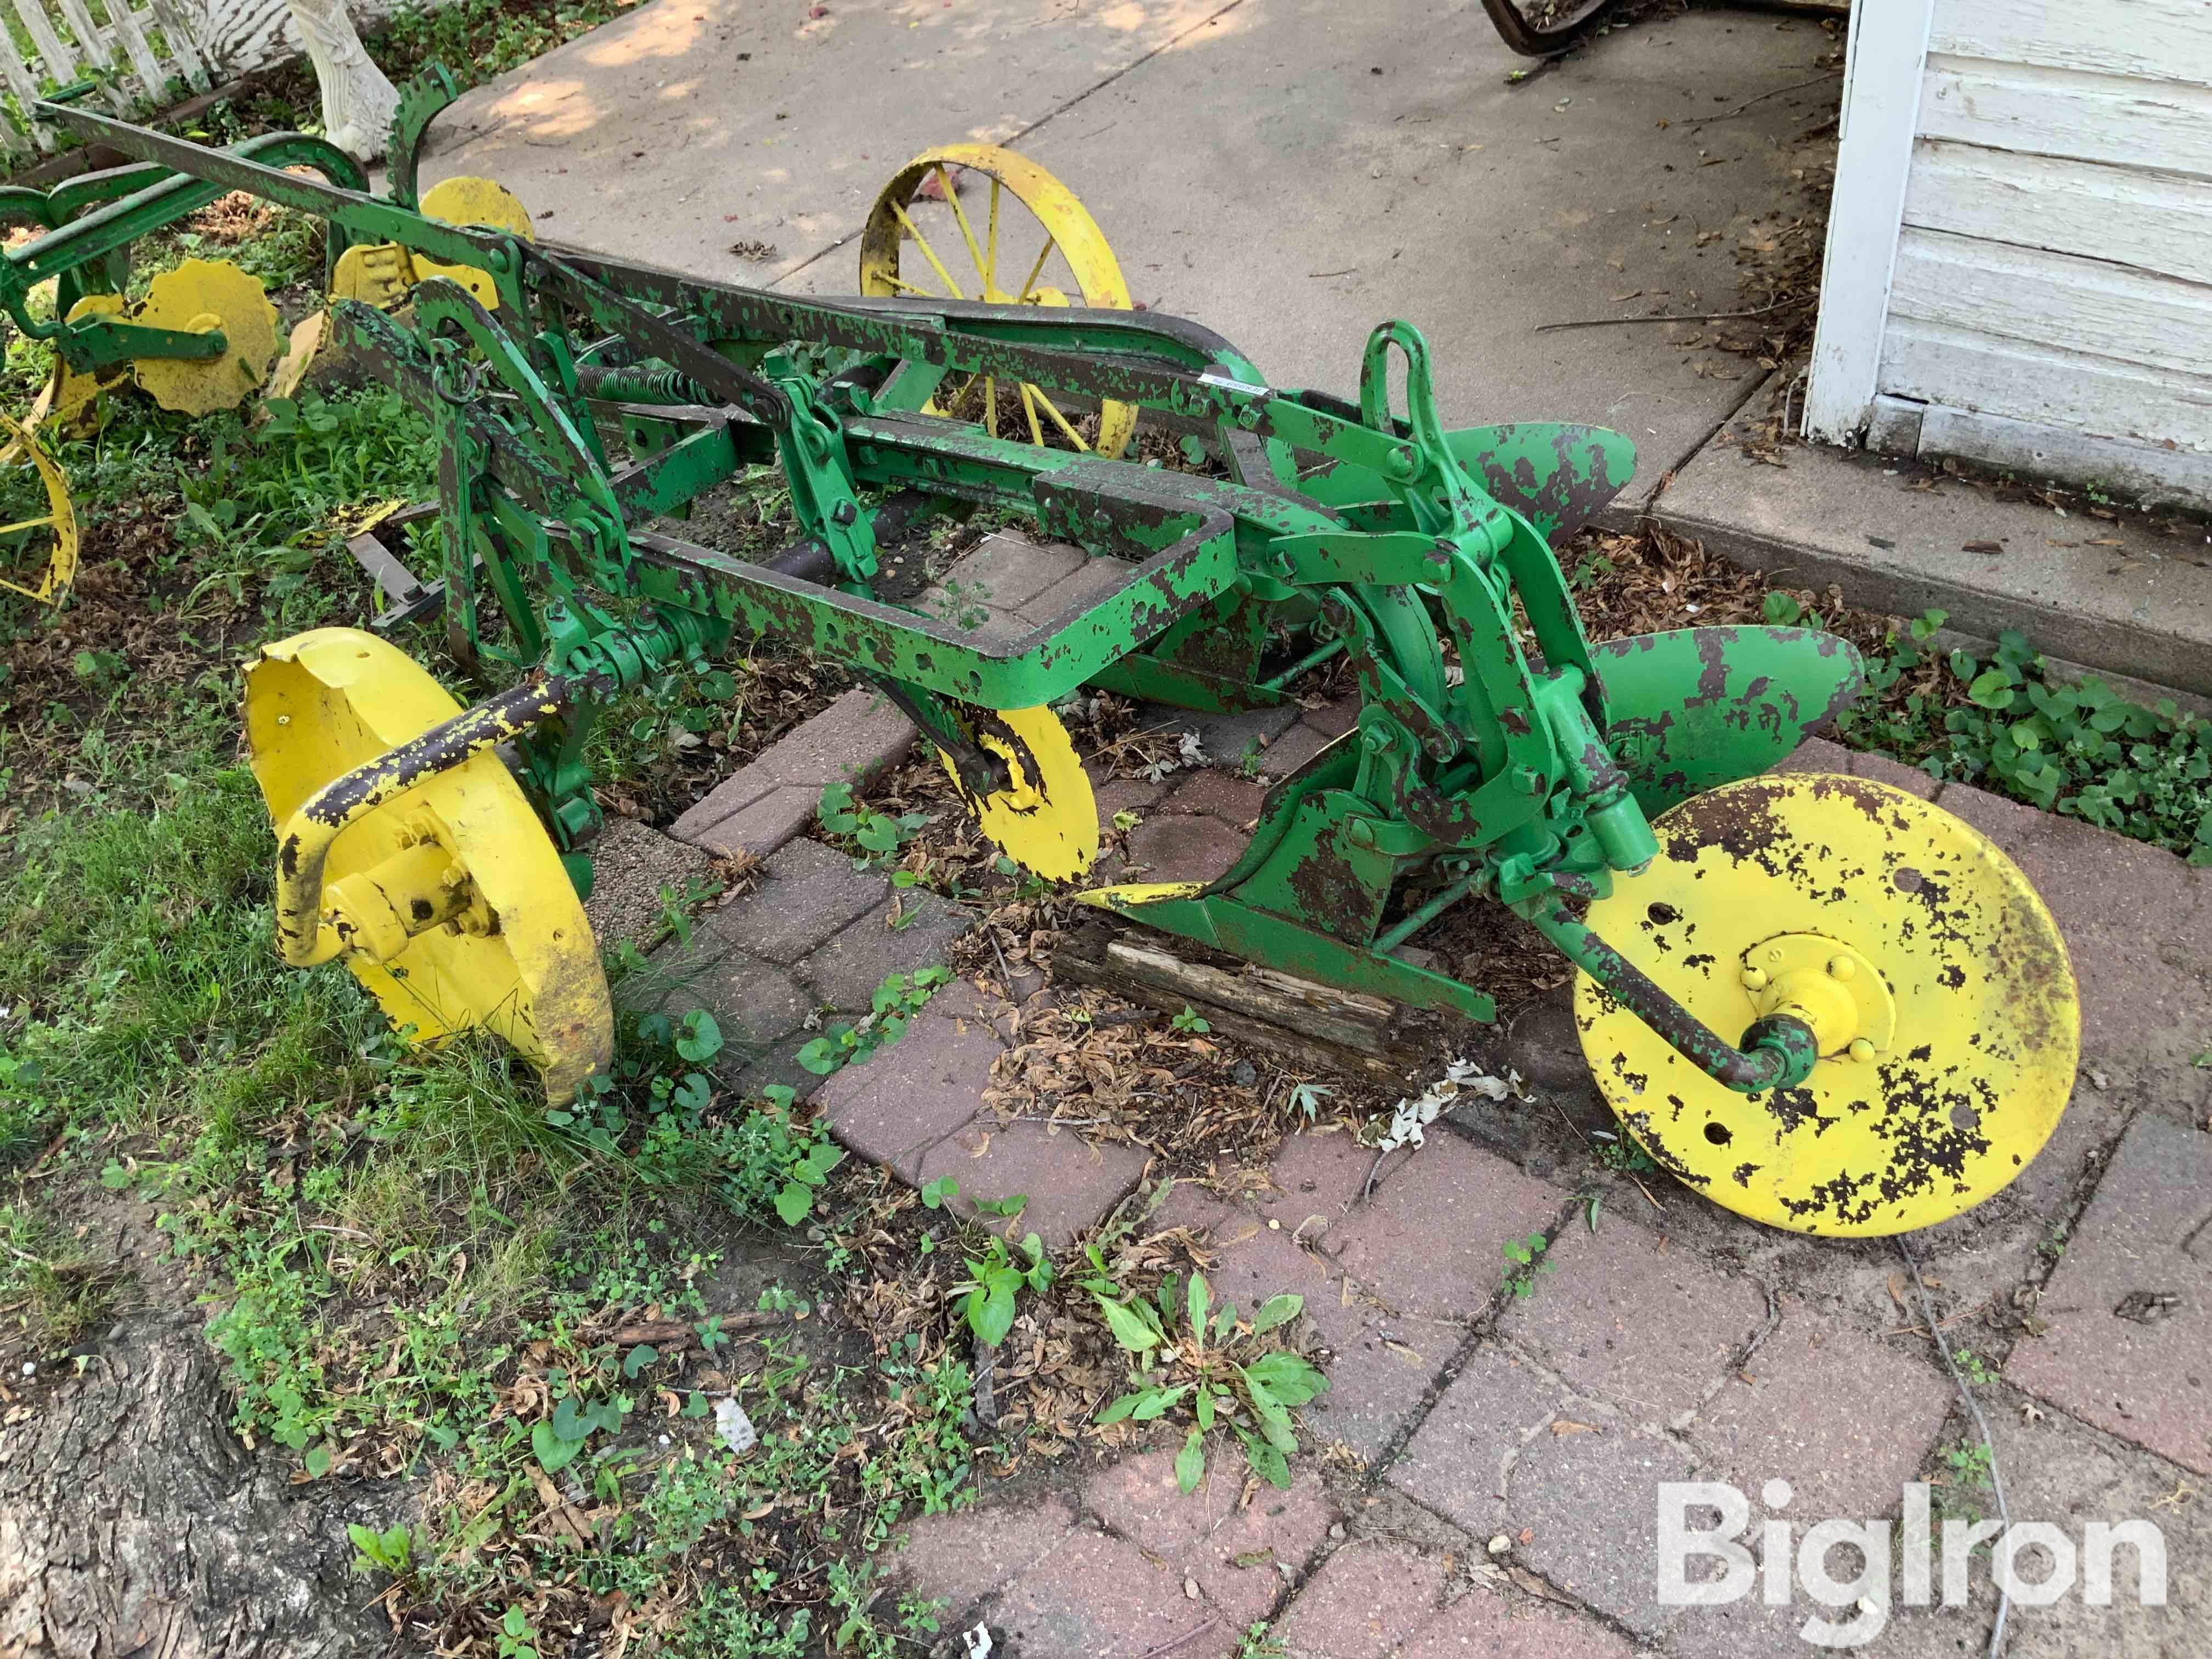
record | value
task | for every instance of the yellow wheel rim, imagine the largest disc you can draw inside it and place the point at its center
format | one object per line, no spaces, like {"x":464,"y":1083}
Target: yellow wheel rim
{"x":467,"y":201}
{"x":517,"y":957}
{"x":937,"y":250}
{"x":1045,"y":819}
{"x":53,"y":531}
{"x":198,"y":296}
{"x":1938,"y":1083}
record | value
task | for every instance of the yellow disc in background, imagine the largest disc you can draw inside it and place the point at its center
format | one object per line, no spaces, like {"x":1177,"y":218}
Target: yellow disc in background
{"x":467,"y":201}
{"x":67,"y":397}
{"x":1901,"y":1124}
{"x":198,"y":296}
{"x":520,"y":959}
{"x":1045,"y":819}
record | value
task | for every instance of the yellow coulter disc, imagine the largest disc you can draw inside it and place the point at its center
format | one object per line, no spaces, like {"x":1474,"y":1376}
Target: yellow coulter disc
{"x":986,"y":250}
{"x":452,"y":896}
{"x":25,"y":468}
{"x":1045,"y":819}
{"x":1935,"y":978}
{"x":473,"y":202}
{"x":198,"y":296}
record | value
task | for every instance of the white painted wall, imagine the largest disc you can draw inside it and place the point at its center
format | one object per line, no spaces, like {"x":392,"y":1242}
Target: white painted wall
{"x":2040,"y":294}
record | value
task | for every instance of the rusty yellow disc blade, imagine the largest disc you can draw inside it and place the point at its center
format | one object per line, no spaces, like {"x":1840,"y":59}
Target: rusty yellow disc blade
{"x":1933,"y":978}
{"x":198,"y":296}
{"x":453,"y":902}
{"x":465,"y":201}
{"x":1045,"y":819}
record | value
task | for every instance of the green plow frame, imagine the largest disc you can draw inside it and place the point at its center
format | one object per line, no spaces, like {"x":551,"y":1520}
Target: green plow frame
{"x":1498,"y":754}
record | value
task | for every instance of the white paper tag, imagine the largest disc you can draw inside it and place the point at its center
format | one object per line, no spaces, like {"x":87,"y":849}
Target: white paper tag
{"x":735,"y":1428}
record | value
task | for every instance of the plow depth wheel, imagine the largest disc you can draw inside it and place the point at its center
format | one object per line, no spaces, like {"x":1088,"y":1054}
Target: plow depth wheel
{"x":936,"y":248}
{"x":449,"y":902}
{"x":1933,"y":976}
{"x":1046,"y":818}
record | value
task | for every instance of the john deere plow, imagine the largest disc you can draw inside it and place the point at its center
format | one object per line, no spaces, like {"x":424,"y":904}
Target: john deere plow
{"x":1817,"y":999}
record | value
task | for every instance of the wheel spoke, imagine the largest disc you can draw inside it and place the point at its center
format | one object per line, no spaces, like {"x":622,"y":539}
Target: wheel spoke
{"x":1029,"y":408}
{"x":929,"y":253}
{"x":1059,"y":419}
{"x":914,"y":288}
{"x":967,"y":235}
{"x":991,"y":242}
{"x":27,"y":524}
{"x":1028,"y":281}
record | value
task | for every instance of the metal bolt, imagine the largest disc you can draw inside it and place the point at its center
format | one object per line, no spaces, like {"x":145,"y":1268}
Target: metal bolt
{"x":1530,"y":781}
{"x":1440,"y":746}
{"x":1286,"y":566}
{"x":1359,"y":833}
{"x":1754,"y":979}
{"x":1375,"y":739}
{"x":1861,"y":1050}
{"x":844,"y":512}
{"x":1774,"y":955}
{"x":1841,"y":967}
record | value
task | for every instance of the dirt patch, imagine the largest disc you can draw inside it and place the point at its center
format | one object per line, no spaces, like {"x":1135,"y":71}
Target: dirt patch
{"x":637,"y":873}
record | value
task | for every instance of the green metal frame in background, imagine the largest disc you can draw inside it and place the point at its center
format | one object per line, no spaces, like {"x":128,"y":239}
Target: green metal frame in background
{"x":1335,"y":527}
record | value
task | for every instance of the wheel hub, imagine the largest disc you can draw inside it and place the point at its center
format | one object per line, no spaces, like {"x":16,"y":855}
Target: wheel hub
{"x":1827,"y":984}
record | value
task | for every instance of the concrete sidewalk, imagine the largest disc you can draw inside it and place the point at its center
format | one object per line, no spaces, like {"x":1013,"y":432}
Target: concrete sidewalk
{"x":2122,"y":593}
{"x":1289,"y":173}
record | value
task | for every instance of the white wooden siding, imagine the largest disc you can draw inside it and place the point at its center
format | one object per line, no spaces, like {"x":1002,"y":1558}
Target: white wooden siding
{"x":2050,"y":288}
{"x":2149,"y":126}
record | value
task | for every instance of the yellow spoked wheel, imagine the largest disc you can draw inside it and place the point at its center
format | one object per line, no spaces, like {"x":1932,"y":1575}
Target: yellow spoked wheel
{"x":1931,"y":973}
{"x":449,"y":903}
{"x":931,"y":245}
{"x":1045,"y":819}
{"x":37,"y":540}
{"x":199,"y":297}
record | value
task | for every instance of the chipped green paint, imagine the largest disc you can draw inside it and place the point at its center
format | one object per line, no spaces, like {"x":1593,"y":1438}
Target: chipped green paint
{"x":1344,"y":526}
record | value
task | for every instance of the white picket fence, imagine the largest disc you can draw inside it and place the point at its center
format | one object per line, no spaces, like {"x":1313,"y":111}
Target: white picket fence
{"x":159,"y":53}
{"x":152,"y":52}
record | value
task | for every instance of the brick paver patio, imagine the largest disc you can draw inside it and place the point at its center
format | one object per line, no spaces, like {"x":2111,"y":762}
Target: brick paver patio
{"x":1491,"y":1487}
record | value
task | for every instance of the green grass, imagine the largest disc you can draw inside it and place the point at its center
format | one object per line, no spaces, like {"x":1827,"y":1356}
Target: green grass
{"x":411,"y":1264}
{"x":2077,"y":748}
